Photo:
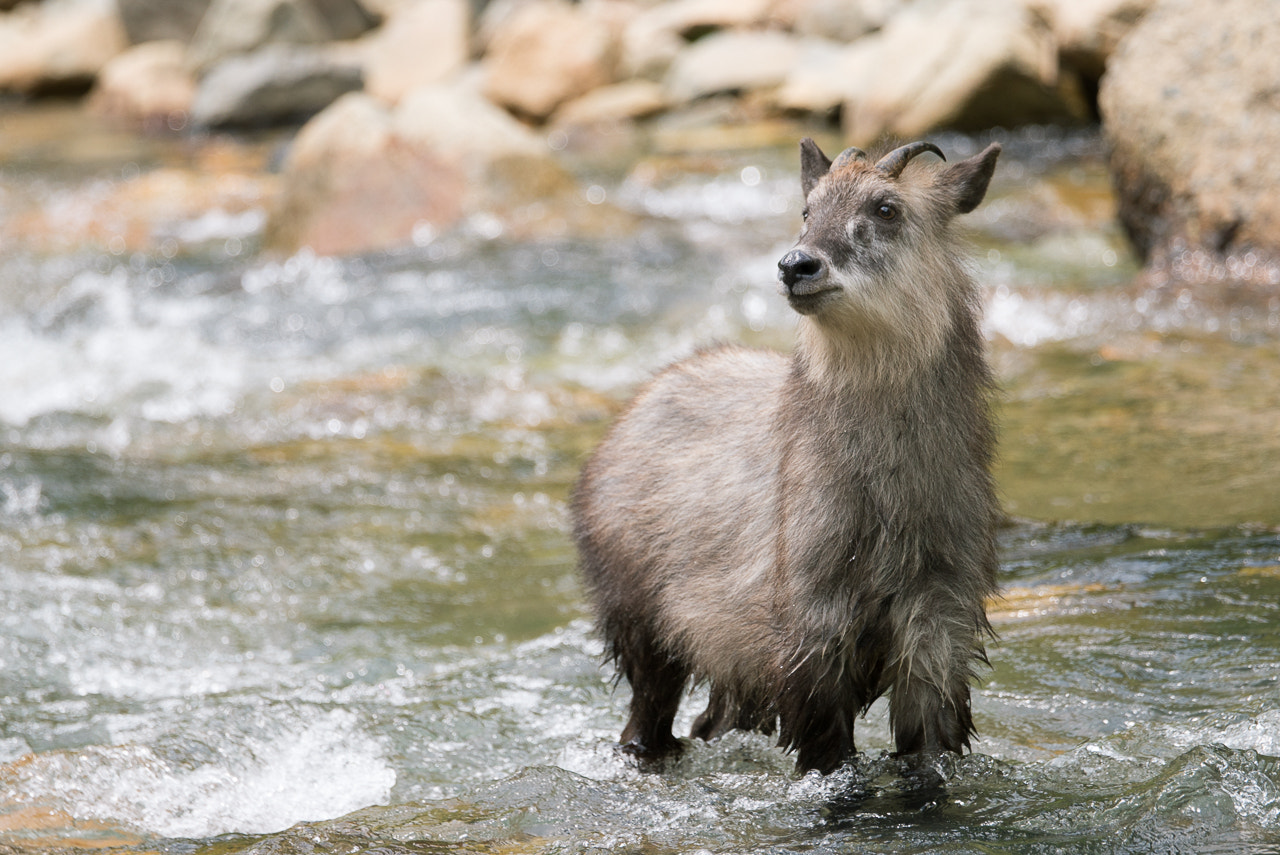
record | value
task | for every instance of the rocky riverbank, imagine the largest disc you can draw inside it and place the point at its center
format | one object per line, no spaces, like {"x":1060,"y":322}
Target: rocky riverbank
{"x":420,"y":114}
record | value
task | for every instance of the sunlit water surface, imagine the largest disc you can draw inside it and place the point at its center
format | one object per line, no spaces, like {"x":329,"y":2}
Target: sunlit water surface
{"x":285,"y":566}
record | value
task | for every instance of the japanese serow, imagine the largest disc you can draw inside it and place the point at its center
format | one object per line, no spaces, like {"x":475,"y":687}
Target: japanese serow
{"x":807,"y":533}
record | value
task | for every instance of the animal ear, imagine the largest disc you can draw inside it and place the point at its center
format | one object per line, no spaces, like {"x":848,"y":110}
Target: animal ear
{"x":966,"y":182}
{"x":813,"y":165}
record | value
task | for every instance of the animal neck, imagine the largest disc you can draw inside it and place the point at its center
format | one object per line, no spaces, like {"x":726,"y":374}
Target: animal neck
{"x":891,"y":335}
{"x":871,"y":372}
{"x":864,"y":363}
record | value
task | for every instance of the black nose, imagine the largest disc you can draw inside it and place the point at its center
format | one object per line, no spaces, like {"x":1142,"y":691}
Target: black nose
{"x":798,"y":266}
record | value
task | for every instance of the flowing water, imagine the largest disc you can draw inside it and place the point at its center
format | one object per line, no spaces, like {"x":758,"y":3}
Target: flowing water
{"x":283,"y":544}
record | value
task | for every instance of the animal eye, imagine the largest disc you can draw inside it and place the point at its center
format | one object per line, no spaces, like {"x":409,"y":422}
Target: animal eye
{"x":804,"y":214}
{"x":886,"y":212}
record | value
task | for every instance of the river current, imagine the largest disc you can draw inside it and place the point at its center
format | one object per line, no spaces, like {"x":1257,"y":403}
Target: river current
{"x":285,"y":564}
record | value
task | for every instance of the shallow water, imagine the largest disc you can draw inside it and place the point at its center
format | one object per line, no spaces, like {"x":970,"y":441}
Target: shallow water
{"x":285,"y":567}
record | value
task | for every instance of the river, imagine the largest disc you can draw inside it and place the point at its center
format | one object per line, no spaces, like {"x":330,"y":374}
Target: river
{"x":284,"y":552}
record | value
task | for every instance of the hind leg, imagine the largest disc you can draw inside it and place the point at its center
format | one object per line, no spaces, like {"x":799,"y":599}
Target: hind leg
{"x":723,"y":715}
{"x":657,"y":684}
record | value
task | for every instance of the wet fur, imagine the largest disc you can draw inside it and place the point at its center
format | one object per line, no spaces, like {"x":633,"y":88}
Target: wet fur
{"x":808,"y":533}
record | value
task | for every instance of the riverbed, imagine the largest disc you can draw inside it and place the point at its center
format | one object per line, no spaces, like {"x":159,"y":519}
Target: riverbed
{"x":284,"y":551}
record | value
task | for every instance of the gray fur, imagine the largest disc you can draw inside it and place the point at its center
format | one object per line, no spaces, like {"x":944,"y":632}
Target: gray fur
{"x":807,"y":533}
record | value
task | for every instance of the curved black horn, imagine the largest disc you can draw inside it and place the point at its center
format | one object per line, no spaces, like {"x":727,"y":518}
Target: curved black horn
{"x":849,"y":154}
{"x":895,"y":161}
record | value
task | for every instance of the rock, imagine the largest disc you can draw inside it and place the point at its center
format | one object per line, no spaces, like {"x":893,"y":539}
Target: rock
{"x":223,"y":185}
{"x":731,"y":61}
{"x":362,"y":176}
{"x":1088,"y":31}
{"x":654,"y":37}
{"x":963,"y":64}
{"x":157,"y":20}
{"x":547,"y":52}
{"x":825,"y":75}
{"x":692,"y":19}
{"x":841,"y":20}
{"x":648,"y":47}
{"x":620,"y":102}
{"x":421,"y":43}
{"x":456,"y":122}
{"x":231,"y":27}
{"x":148,"y":83}
{"x":350,"y":185}
{"x":57,"y":49}
{"x":344,"y":19}
{"x":1191,"y":107}
{"x":277,"y":83}
{"x":512,"y":176}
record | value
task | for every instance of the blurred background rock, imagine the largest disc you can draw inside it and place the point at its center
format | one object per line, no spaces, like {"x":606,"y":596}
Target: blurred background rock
{"x":431,"y":110}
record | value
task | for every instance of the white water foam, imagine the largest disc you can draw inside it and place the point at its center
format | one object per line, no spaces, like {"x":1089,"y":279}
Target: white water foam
{"x":1260,"y":733}
{"x":309,"y":771}
{"x":54,"y":364}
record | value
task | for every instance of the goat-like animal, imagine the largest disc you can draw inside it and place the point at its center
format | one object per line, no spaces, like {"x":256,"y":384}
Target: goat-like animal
{"x":807,"y":533}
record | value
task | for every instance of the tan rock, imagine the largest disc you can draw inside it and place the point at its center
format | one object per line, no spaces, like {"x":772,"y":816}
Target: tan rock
{"x":827,"y":74}
{"x":547,"y":52}
{"x":149,"y":82}
{"x":648,"y":47}
{"x":964,"y":64}
{"x":351,"y":185}
{"x":693,"y":18}
{"x":362,"y":176}
{"x":57,"y":48}
{"x":420,"y":43}
{"x":632,"y":99}
{"x":1191,"y":108}
{"x":841,"y":20}
{"x":731,"y":61}
{"x":142,"y":213}
{"x":458,"y":123}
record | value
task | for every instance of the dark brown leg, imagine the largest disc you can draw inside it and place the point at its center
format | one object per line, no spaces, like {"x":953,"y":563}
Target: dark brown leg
{"x":657,"y":684}
{"x":722,"y":716}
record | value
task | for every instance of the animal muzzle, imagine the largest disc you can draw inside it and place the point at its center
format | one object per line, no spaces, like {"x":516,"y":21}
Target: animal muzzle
{"x":801,"y":274}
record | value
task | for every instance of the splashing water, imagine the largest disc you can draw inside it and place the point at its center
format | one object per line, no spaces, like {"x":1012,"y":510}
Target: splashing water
{"x":284,"y":544}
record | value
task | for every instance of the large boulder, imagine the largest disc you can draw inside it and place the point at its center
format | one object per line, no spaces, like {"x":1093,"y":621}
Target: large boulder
{"x":961,"y":64}
{"x":351,"y":185}
{"x":547,"y":52}
{"x":363,"y":176}
{"x":57,"y":49}
{"x":419,"y":44}
{"x":274,"y":84}
{"x":1191,"y":105}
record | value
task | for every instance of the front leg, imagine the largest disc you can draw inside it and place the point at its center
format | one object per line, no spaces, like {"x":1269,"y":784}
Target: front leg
{"x":929,"y":707}
{"x":816,"y":711}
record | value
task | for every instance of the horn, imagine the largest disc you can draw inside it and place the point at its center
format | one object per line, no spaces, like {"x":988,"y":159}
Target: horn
{"x":849,"y":154}
{"x":895,"y":161}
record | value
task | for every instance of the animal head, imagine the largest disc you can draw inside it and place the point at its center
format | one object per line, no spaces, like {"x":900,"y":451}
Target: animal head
{"x":875,"y":255}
